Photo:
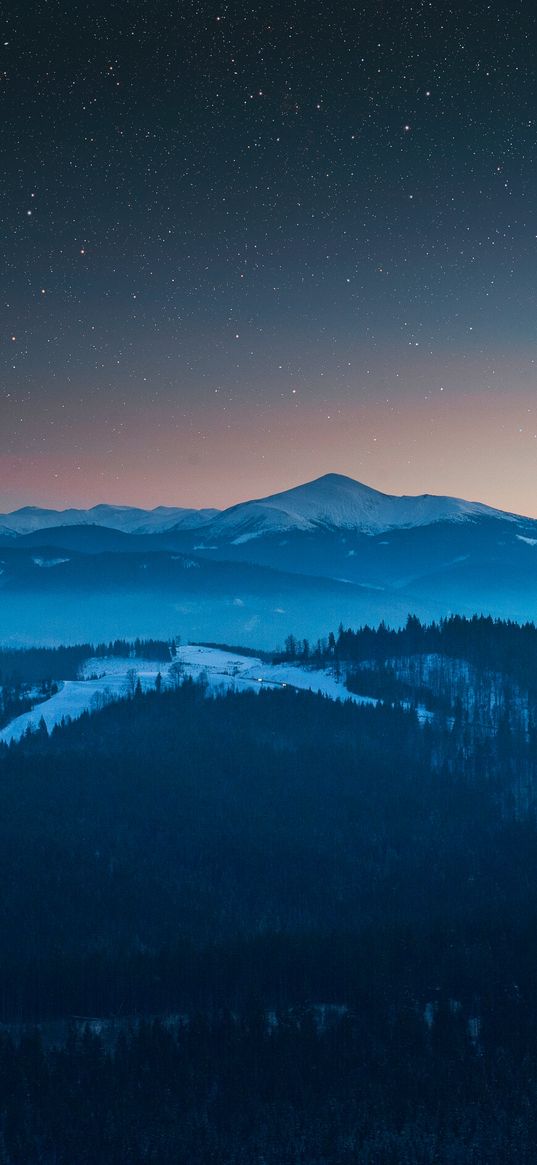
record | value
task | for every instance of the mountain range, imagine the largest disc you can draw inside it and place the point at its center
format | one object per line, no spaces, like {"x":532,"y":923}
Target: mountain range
{"x":130,"y":519}
{"x":330,"y":502}
{"x":301,"y":560}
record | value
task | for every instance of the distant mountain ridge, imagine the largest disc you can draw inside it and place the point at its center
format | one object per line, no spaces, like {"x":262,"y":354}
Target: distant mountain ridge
{"x":129,"y":519}
{"x":331,"y":502}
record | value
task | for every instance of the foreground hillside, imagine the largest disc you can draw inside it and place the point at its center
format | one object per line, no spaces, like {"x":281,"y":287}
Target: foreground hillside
{"x":278,"y":926}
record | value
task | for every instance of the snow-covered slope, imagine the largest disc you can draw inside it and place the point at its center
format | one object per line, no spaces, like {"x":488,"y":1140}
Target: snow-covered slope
{"x":335,"y":502}
{"x":107,"y":679}
{"x":129,"y":519}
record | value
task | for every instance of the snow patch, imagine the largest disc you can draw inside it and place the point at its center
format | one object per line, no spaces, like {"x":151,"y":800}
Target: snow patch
{"x":110,"y":679}
{"x":49,"y":561}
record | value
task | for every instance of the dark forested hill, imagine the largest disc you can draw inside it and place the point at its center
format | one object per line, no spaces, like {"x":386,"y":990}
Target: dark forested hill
{"x":336,"y":903}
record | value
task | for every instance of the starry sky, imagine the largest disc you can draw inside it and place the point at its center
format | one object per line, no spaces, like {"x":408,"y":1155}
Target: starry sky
{"x":247,"y":244}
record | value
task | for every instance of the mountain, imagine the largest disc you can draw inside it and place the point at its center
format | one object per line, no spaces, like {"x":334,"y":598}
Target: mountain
{"x":129,"y":519}
{"x":447,"y":553}
{"x":335,"y":502}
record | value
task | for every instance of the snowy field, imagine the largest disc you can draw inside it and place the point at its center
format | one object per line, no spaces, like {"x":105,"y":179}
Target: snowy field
{"x":109,"y":679}
{"x":224,"y":669}
{"x":84,"y":695}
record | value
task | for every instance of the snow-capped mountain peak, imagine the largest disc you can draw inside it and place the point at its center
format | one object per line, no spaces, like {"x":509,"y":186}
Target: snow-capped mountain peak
{"x":336,"y":502}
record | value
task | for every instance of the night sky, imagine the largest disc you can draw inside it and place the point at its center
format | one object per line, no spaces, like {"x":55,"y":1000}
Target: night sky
{"x":247,"y":244}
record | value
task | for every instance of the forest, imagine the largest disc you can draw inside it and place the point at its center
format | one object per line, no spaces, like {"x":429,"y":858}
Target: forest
{"x":273,"y":927}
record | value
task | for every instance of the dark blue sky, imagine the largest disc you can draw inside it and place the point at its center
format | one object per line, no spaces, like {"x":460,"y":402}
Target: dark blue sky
{"x":246,"y":245}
